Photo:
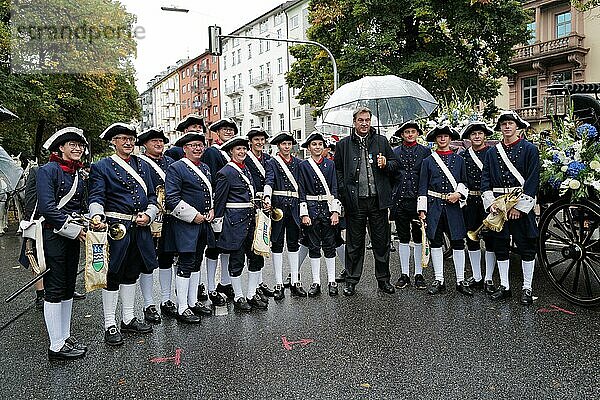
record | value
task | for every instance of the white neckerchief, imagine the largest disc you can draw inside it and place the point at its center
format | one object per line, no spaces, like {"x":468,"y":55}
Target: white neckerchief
{"x":204,"y":178}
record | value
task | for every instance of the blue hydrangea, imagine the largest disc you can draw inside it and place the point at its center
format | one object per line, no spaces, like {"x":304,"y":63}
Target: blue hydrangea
{"x":556,"y":159}
{"x":574,"y":168}
{"x":588,"y":129}
{"x":455,"y":114}
{"x":569,"y":152}
{"x":554,"y":182}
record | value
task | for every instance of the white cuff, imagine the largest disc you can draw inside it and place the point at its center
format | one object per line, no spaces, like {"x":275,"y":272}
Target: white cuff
{"x":268,"y":191}
{"x":69,"y":229}
{"x":422,"y":203}
{"x":303,"y":209}
{"x":335,"y":206}
{"x":525,"y":204}
{"x":184,"y":212}
{"x":488,"y":198}
{"x":96,"y":209}
{"x":151,"y":211}
{"x":463,"y":190}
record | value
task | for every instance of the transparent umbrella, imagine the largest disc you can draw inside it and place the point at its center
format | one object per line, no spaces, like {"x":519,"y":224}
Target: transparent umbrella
{"x":392,"y":100}
{"x":6,"y":114}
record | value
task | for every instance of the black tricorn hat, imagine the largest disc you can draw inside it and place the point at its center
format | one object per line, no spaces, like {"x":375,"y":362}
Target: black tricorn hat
{"x":282,"y":137}
{"x":313,"y":136}
{"x":475,"y":126}
{"x":510,"y":115}
{"x":224,"y":122}
{"x":257,"y":131}
{"x":118,"y":128}
{"x":408,"y":124}
{"x":189,"y":120}
{"x":152,"y":133}
{"x":190,"y":137}
{"x":233,"y":142}
{"x":442,"y":130}
{"x":64,"y":135}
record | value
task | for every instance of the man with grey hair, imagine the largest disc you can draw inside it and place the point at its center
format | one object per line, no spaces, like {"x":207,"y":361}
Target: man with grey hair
{"x":366,"y":165}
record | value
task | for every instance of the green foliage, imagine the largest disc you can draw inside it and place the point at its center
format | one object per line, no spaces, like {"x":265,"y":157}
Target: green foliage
{"x":585,"y":5}
{"x":442,"y":44}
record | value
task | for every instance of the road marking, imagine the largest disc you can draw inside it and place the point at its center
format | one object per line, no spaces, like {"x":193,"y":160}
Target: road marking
{"x":176,"y":359}
{"x":289,"y":345}
{"x":555,"y":309}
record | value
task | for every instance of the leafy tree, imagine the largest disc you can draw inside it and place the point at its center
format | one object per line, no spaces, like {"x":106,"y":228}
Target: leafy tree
{"x":585,"y":5}
{"x":465,"y":45}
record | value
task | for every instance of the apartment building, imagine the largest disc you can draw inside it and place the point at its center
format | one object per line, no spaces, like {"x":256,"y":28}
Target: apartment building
{"x":564,"y":45}
{"x":252,"y":79}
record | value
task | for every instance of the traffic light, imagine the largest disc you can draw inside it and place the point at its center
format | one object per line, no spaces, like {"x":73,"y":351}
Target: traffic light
{"x":214,"y":40}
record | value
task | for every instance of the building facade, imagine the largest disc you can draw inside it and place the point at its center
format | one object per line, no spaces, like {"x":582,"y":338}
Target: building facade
{"x":252,"y":79}
{"x":564,"y":46}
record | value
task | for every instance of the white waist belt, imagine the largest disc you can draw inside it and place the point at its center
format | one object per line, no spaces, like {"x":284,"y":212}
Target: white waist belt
{"x":321,"y":197}
{"x":474,"y":192}
{"x":118,"y":215}
{"x":505,"y":190}
{"x":239,"y":205}
{"x":443,"y":196}
{"x":285,"y":193}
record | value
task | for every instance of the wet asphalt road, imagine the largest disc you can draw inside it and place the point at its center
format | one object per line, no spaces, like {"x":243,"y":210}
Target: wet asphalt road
{"x":370,"y":346}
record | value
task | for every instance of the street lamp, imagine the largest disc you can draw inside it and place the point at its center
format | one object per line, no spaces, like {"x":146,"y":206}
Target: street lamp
{"x":557,"y":101}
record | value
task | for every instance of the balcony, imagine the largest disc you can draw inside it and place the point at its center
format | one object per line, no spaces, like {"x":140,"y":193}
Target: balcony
{"x":531,"y":113}
{"x":567,"y":49}
{"x":235,"y":90}
{"x":263,"y":81}
{"x":200,"y":87}
{"x":235,"y":114}
{"x":262,"y":109}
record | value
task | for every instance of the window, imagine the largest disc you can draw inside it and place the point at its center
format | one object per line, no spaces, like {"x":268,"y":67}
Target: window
{"x":280,"y":97}
{"x":187,"y":71}
{"x":278,"y":19}
{"x":205,"y":113}
{"x":268,"y":95}
{"x":563,"y":24}
{"x":294,"y":21}
{"x":233,"y":58}
{"x":250,"y":76}
{"x":261,"y":70}
{"x":282,"y":122}
{"x":260,"y":47}
{"x":195,"y":68}
{"x":280,"y":65}
{"x":262,"y":27}
{"x":215,"y":93}
{"x":269,"y":124}
{"x":249,"y":51}
{"x":268,"y":65}
{"x":240,"y":79}
{"x":239,"y":56}
{"x":296,"y":113}
{"x":215,"y":110}
{"x":531,"y":30}
{"x":250,"y":100}
{"x":298,"y":133}
{"x":529,"y":91}
{"x":261,"y":97}
{"x":236,"y":42}
{"x":214,"y":59}
{"x":563,"y":76}
{"x":214,"y":75}
{"x":239,"y":104}
{"x":267,"y":45}
{"x":224,"y":49}
{"x":188,"y":87}
{"x":224,"y":62}
{"x":183,"y":89}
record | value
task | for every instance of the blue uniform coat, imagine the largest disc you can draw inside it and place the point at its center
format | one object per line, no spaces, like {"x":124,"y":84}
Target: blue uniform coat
{"x":277,"y":180}
{"x":214,"y":158}
{"x":310,"y":184}
{"x":406,"y":180}
{"x":473,"y":212}
{"x":257,"y":177}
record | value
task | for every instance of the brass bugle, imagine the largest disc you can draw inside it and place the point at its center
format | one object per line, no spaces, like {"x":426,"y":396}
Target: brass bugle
{"x":476,"y":234}
{"x":116,"y":230}
{"x":276,"y":214}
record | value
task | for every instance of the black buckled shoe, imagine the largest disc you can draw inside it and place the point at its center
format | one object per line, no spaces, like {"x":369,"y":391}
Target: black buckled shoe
{"x":188,"y":317}
{"x":420,"y":282}
{"x":314,"y":290}
{"x":473,"y":284}
{"x":135,"y":326}
{"x":288,"y":282}
{"x":227,"y":290}
{"x":341,"y":277}
{"x":216,"y":299}
{"x":279,"y":292}
{"x":501,"y":293}
{"x":75,"y":344}
{"x":526,"y":297}
{"x":332,"y":289}
{"x":151,"y":315}
{"x":463,"y":287}
{"x":262,"y":296}
{"x":256,"y":302}
{"x":202,"y":296}
{"x":349,"y":289}
{"x":168,"y":308}
{"x":436,"y":287}
{"x":266,"y":290}
{"x":113,"y":337}
{"x":297,"y":290}
{"x":386,"y":287}
{"x":402,"y":282}
{"x":241,"y":305}
{"x":489,"y":287}
{"x":78,"y":296}
{"x":67,"y":352}
{"x":201,"y":310}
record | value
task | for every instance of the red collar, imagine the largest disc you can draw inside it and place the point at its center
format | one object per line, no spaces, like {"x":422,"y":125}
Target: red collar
{"x":259,"y":158}
{"x":320,"y":161}
{"x":286,"y":161}
{"x":409,"y":144}
{"x":196,"y":163}
{"x":241,"y":165}
{"x":512,"y":144}
{"x":444,"y":153}
{"x":67,"y":166}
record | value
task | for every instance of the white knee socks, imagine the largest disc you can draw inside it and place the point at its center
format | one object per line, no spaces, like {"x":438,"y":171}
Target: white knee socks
{"x":146,"y":283}
{"x":211,"y":270}
{"x":475,"y":258}
{"x":252,"y":282}
{"x":490,"y":265}
{"x":458,"y":256}
{"x":528,"y":267}
{"x":110,"y":298}
{"x":315,"y":266}
{"x":236,"y":282}
{"x":418,"y":248}
{"x":193,"y":290}
{"x":294,"y":259}
{"x":165,"y":277}
{"x":127,"y":293}
{"x":278,"y":267}
{"x":503,"y":269}
{"x":66,"y":311}
{"x":225,"y":279}
{"x":404,"y":254}
{"x":183,"y":286}
{"x":330,"y":263}
{"x":53,"y":318}
{"x":437,"y":259}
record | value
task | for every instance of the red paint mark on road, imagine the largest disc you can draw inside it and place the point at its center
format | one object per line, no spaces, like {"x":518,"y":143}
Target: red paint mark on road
{"x":176,"y":359}
{"x":555,"y":309}
{"x":289,"y":345}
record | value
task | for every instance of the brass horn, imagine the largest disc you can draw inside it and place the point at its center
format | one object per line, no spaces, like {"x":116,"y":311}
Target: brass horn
{"x":116,"y":230}
{"x":276,"y":214}
{"x":475,"y":235}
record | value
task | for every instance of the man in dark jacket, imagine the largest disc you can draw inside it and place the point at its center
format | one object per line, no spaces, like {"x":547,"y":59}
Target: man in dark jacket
{"x":365,"y":166}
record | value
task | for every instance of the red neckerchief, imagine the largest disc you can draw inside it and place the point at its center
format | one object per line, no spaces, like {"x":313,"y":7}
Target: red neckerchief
{"x":67,"y":166}
{"x":512,"y":144}
{"x":196,"y":163}
{"x":288,"y":162}
{"x":320,"y":161}
{"x":259,"y":158}
{"x":241,"y":165}
{"x":409,"y":144}
{"x":444,"y":153}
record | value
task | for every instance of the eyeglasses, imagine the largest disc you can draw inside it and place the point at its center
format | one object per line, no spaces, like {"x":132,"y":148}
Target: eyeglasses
{"x":195,"y":145}
{"x":75,"y":145}
{"x":228,"y":129}
{"x":125,"y":139}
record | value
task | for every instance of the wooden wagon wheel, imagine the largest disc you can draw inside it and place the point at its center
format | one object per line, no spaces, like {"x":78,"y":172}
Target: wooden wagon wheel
{"x":569,"y":249}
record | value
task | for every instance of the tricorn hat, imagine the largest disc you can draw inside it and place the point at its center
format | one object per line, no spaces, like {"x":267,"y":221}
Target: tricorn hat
{"x":190,"y":137}
{"x":257,"y":131}
{"x":282,"y":137}
{"x":408,"y":124}
{"x":475,"y":126}
{"x":510,"y":115}
{"x":64,"y":135}
{"x":189,"y":120}
{"x":442,"y":130}
{"x":152,"y":133}
{"x":316,"y":135}
{"x":233,"y":142}
{"x":224,"y":122}
{"x":118,"y":128}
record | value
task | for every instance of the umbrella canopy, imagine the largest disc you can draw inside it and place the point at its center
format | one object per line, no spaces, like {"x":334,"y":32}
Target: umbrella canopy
{"x":6,"y":114}
{"x":392,"y":100}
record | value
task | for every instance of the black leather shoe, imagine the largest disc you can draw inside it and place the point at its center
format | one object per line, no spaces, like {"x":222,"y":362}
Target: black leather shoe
{"x":288,"y":282}
{"x":501,"y":293}
{"x":314,"y":290}
{"x":201,"y":310}
{"x":488,"y":287}
{"x":436,"y":287}
{"x":78,"y":296}
{"x":168,"y":308}
{"x":75,"y":344}
{"x":349,"y":289}
{"x":420,"y":282}
{"x":403,"y":281}
{"x":473,"y":284}
{"x":341,"y":277}
{"x":463,"y":287}
{"x":279,"y":292}
{"x":216,"y":298}
{"x":266,"y":290}
{"x":202,"y":296}
{"x":151,"y":315}
{"x":135,"y":326}
{"x":297,"y":290}
{"x":332,"y":288}
{"x":67,"y":352}
{"x":526,"y":297}
{"x":386,"y":287}
{"x":227,"y":290}
{"x":113,"y":337}
{"x":256,"y":303}
{"x":242,"y":305}
{"x":188,"y":317}
{"x":262,"y":296}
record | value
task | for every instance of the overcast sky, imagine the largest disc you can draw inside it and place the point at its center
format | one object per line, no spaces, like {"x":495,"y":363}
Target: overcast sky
{"x":170,"y":36}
